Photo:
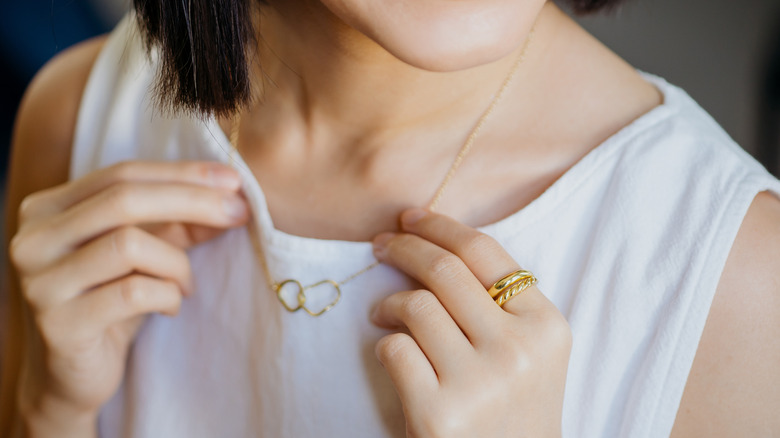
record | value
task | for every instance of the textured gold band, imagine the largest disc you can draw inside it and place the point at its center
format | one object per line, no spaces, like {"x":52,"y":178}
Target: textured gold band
{"x":514,"y":289}
{"x":507,"y":281}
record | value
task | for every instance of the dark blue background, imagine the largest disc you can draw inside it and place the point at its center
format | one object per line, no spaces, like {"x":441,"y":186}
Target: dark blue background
{"x":31,"y":32}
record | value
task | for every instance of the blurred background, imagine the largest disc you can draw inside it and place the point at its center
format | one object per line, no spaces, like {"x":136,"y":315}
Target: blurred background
{"x":725,"y":53}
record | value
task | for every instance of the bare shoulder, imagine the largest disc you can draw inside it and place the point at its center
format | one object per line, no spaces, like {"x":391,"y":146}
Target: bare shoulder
{"x":46,"y":121}
{"x":734,"y":386}
{"x":40,"y":158}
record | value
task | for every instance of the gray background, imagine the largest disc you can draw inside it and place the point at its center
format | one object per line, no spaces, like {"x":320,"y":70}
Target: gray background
{"x":717,"y":50}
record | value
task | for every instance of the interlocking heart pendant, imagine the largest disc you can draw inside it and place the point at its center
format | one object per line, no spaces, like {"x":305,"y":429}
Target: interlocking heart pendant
{"x":293,"y":295}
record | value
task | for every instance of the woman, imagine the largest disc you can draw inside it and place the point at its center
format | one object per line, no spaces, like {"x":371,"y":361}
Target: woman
{"x":653,"y":236}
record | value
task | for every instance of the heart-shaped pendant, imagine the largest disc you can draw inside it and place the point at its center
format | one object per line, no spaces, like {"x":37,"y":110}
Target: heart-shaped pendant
{"x":335,"y":296}
{"x":290,"y":291}
{"x":293,"y":296}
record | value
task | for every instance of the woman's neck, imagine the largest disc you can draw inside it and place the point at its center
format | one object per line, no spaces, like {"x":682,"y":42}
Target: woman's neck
{"x":332,"y":86}
{"x":346,"y":136}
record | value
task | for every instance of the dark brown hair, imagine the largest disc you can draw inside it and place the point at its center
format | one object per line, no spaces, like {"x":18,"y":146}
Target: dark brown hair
{"x":202,"y":47}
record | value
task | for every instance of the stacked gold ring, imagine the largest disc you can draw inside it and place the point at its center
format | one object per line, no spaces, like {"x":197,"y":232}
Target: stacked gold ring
{"x":511,"y":285}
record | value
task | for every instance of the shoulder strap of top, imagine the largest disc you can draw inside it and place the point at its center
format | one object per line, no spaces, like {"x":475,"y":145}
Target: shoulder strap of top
{"x":116,"y":89}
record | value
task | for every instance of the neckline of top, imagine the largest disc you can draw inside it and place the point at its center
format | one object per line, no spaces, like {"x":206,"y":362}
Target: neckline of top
{"x":277,"y":240}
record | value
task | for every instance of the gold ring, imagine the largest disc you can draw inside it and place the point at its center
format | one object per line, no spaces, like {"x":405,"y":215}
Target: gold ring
{"x":514,"y":289}
{"x":507,"y":281}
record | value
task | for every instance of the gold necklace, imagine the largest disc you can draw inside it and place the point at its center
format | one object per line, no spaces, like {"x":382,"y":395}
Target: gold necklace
{"x":298,"y":288}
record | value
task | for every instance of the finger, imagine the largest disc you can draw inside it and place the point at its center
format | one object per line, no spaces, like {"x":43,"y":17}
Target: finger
{"x":123,"y":299}
{"x":411,"y":373}
{"x":484,"y":256}
{"x":429,"y":323}
{"x":113,"y":255}
{"x":45,"y":203}
{"x":125,"y":204}
{"x":444,"y":274}
{"x":182,"y":235}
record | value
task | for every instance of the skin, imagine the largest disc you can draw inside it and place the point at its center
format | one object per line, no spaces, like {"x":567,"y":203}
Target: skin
{"x":456,"y":332}
{"x":317,"y":121}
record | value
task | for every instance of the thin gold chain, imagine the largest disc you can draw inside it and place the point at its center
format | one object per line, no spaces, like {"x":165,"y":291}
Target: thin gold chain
{"x":434,"y":202}
{"x":466,"y":148}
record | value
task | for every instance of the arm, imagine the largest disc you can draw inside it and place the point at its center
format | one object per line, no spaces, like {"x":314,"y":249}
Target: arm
{"x":40,"y":159}
{"x":734,"y":386}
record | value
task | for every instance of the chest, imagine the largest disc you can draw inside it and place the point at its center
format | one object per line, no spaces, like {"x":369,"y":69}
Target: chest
{"x":316,"y":199}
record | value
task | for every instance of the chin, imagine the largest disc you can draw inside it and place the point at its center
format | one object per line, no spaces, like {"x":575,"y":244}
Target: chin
{"x":445,"y":53}
{"x":442,"y":35}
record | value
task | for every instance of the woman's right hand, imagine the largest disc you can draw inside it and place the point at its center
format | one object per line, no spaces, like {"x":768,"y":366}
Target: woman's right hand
{"x":94,"y":256}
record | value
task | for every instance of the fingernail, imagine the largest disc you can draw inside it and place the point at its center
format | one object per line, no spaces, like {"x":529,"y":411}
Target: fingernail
{"x":380,"y":243}
{"x":412,"y":216}
{"x":221,"y":176}
{"x":234,"y":207}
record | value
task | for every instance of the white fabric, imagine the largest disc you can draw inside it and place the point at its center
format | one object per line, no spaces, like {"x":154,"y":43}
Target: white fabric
{"x":629,"y":244}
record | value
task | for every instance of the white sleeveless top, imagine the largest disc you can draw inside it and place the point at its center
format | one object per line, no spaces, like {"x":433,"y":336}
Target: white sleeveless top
{"x":629,"y":244}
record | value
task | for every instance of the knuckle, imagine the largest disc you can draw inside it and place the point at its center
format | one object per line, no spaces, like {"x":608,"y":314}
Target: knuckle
{"x":443,"y":264}
{"x":513,"y":351}
{"x":126,"y":242}
{"x":17,"y":250}
{"x":133,"y":291}
{"x":480,"y":243}
{"x":33,"y":291}
{"x":418,"y":303}
{"x":124,"y":170}
{"x":121,"y":197}
{"x":517,"y":360}
{"x":27,"y":206}
{"x":445,"y":423}
{"x":391,"y":347}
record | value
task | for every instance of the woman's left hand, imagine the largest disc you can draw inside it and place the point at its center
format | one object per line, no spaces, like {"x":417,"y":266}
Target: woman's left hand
{"x":469,"y":368}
